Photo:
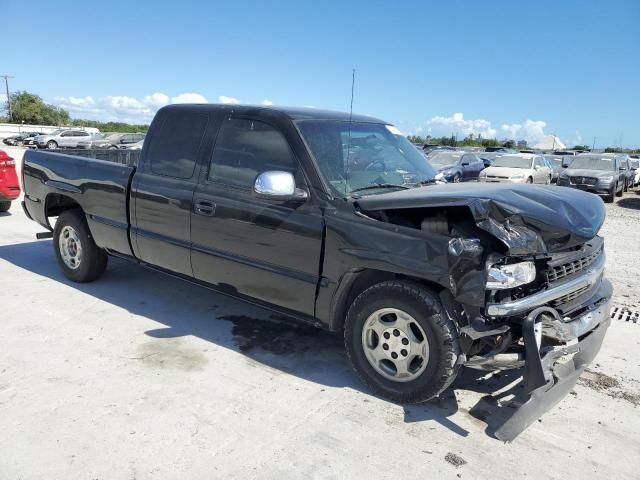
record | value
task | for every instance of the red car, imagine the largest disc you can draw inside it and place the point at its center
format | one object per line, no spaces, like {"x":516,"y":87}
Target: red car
{"x":9,"y":184}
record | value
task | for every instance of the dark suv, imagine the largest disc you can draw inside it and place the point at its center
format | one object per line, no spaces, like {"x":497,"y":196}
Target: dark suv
{"x":597,"y":173}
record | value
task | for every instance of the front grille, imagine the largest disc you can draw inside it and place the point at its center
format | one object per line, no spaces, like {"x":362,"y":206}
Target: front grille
{"x":561,"y":271}
{"x":571,"y":296}
{"x":584,"y":180}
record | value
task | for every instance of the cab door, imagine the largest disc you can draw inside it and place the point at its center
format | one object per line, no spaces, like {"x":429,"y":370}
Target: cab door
{"x":265,"y":249}
{"x":162,"y":189}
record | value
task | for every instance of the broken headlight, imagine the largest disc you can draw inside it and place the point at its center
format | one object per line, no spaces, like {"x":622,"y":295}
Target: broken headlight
{"x":500,"y":277}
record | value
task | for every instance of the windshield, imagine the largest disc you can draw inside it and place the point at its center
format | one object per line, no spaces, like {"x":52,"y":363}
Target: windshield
{"x":512,"y":161}
{"x":352,"y":156}
{"x":441,"y":159}
{"x":556,"y":161}
{"x":55,"y":132}
{"x":593,"y":162}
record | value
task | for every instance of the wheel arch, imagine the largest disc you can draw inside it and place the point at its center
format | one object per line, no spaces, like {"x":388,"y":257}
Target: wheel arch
{"x":354,"y":282}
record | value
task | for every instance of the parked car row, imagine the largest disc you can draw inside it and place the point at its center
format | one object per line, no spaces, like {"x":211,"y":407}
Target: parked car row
{"x":606,"y":174}
{"x":77,"y":139}
{"x":24,"y":138}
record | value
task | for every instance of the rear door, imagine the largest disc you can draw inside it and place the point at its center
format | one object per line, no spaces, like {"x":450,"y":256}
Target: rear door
{"x":265,"y":249}
{"x":162,"y":190}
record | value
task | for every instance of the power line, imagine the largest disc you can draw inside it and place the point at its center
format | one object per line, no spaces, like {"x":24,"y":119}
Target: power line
{"x":6,"y":86}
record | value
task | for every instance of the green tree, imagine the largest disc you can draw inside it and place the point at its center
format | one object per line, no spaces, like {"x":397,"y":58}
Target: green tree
{"x":581,"y":147}
{"x":29,"y":108}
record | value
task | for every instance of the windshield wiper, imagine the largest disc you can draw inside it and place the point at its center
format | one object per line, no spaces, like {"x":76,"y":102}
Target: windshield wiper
{"x":380,"y":185}
{"x":429,"y":181}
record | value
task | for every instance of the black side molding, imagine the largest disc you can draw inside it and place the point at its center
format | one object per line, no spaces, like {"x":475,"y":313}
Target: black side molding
{"x":43,"y":235}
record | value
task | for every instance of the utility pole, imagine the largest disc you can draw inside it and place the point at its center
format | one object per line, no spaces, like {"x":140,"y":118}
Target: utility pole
{"x":6,"y":86}
{"x":594,"y":144}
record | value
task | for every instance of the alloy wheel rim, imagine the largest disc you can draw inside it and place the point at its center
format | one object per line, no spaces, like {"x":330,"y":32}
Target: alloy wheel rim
{"x":70,"y":247}
{"x":395,"y":345}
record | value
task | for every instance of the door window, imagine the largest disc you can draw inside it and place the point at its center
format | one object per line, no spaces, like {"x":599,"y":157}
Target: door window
{"x":174,"y":147}
{"x":244,"y":149}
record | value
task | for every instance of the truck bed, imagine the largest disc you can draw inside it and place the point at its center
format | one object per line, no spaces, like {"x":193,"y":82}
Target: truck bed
{"x":99,"y":187}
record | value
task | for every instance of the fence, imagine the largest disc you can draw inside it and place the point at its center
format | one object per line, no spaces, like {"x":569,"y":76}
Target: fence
{"x":123,"y":157}
{"x":11,"y":129}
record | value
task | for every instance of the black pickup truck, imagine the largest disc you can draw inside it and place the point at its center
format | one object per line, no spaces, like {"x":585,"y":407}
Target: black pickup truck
{"x":338,"y":221}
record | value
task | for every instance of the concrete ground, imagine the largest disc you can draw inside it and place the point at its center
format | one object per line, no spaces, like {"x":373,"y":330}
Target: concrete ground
{"x":140,"y":375}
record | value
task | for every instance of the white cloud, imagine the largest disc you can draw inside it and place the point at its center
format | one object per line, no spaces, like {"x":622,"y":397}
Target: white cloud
{"x":228,"y":100}
{"x":189,"y":98}
{"x":156,"y":100}
{"x":457,"y":124}
{"x":121,"y":107}
{"x":532,"y":131}
{"x":267,"y":102}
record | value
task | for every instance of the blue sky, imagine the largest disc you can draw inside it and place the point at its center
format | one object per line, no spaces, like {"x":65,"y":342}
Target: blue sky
{"x":498,"y":68}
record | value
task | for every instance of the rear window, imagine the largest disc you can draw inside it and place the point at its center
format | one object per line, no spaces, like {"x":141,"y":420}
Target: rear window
{"x":174,"y":147}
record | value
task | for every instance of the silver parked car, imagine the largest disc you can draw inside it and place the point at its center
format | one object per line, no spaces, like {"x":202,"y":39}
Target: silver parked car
{"x":64,"y":138}
{"x":518,"y":168}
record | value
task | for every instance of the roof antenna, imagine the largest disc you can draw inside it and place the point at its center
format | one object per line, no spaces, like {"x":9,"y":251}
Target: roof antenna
{"x":353,"y":82}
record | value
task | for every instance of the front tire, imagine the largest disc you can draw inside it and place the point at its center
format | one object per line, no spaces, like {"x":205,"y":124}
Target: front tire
{"x":5,"y":206}
{"x":529,"y":180}
{"x":51,"y":145}
{"x":619,"y":193}
{"x":78,"y":256}
{"x":401,"y":342}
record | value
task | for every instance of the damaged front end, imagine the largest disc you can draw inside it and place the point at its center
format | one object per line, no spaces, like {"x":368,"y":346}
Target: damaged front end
{"x":525,"y":286}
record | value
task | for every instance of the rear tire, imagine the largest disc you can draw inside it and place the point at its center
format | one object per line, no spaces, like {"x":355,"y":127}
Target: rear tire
{"x":408,"y":315}
{"x":5,"y":206}
{"x":79,"y":258}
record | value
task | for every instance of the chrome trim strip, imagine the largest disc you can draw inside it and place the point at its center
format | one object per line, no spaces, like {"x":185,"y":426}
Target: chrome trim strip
{"x":590,"y":277}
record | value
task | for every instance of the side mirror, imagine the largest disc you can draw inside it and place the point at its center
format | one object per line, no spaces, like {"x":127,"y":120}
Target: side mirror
{"x":277,"y":185}
{"x":537,"y":167}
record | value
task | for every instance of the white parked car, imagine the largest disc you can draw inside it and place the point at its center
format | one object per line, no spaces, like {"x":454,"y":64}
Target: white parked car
{"x":517,"y":168}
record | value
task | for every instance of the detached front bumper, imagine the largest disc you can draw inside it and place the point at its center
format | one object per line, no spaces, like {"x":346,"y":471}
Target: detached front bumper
{"x":550,"y":375}
{"x":562,"y":329}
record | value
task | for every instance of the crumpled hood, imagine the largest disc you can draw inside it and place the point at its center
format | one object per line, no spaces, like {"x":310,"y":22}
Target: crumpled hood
{"x":528,"y":219}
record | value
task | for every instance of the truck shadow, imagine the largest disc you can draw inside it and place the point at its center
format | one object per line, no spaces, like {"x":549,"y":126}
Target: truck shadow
{"x":265,"y":337}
